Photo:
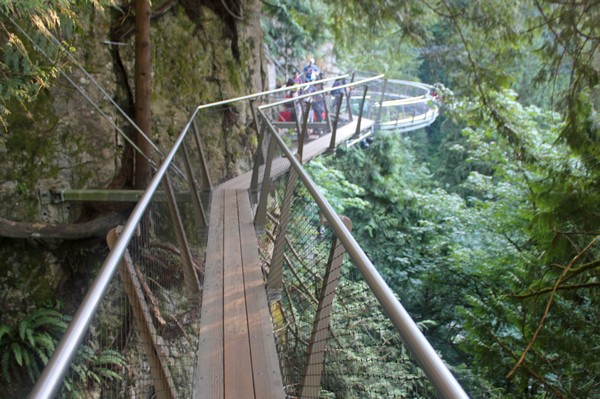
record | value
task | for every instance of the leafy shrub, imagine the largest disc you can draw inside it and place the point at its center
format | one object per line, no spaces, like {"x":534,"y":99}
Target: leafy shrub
{"x":27,"y":345}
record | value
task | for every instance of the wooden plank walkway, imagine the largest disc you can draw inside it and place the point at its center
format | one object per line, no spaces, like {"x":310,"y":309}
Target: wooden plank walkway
{"x":237,"y":356}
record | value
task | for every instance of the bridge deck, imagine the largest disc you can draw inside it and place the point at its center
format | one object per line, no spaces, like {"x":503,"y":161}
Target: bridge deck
{"x":237,"y":357}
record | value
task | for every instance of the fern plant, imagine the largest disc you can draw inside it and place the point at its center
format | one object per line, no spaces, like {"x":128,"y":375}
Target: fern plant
{"x":27,"y":345}
{"x":94,"y":368}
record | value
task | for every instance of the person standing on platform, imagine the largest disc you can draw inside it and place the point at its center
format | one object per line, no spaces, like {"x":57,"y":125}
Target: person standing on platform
{"x":297,"y":79}
{"x":311,"y":71}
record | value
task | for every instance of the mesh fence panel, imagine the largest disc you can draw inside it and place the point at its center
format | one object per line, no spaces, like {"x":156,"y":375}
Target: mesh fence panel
{"x":143,"y":338}
{"x":361,"y":352}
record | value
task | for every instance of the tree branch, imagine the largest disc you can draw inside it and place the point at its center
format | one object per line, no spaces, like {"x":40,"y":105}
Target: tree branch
{"x":76,"y":231}
{"x":531,"y":372}
{"x":549,"y":289}
{"x":547,"y":310}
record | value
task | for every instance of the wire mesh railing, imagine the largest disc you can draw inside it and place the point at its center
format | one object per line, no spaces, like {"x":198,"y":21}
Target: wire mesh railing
{"x":142,"y":339}
{"x":135,"y":332}
{"x":340,"y":329}
{"x":334,"y":338}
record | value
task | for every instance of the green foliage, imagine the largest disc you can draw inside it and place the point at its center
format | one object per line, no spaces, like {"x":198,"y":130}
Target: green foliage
{"x":95,"y":367}
{"x":24,"y":70}
{"x":530,"y":193}
{"x":481,"y":258}
{"x":340,"y":193}
{"x":294,"y":30}
{"x":27,"y":345}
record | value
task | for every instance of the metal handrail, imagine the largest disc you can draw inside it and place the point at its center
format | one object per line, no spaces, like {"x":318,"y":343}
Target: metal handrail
{"x":327,"y":90}
{"x":419,"y":347}
{"x":265,"y":93}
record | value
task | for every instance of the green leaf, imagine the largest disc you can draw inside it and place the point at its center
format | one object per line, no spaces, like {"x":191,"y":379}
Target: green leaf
{"x":17,"y":351}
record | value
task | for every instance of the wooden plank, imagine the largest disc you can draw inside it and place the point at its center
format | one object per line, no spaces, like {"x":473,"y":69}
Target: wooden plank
{"x":238,"y":365}
{"x":209,"y":374}
{"x":265,"y":361}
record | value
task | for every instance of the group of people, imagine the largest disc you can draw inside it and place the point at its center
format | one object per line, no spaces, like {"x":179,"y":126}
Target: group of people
{"x":310,"y":73}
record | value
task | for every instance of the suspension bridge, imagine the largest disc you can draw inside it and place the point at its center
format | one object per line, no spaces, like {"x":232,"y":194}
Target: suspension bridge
{"x":252,"y":286}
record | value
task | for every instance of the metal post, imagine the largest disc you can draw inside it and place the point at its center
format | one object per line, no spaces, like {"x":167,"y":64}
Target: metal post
{"x":349,"y":99}
{"x":206,"y":181}
{"x":327,"y":115}
{"x":260,"y":218}
{"x":259,"y":159}
{"x":190,"y":277}
{"x":254,"y":116}
{"x":360,"y":111}
{"x":274,"y":280}
{"x":304,"y":130}
{"x":313,"y":367}
{"x":338,"y":106}
{"x":200,"y":214}
{"x":378,"y":120}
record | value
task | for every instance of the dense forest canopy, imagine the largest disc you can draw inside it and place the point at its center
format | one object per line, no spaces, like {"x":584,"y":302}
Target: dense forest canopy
{"x":485,"y":223}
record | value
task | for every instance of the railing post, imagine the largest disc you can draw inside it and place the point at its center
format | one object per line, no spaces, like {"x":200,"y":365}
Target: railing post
{"x":190,"y":277}
{"x":313,"y":367}
{"x":338,"y":106}
{"x":349,"y":99}
{"x":378,"y":120}
{"x":360,"y":111}
{"x":161,"y":376}
{"x":327,"y":115}
{"x":260,"y":218}
{"x":274,"y":280}
{"x":200,"y":214}
{"x":259,"y":160}
{"x":254,"y":116}
{"x":302,"y":135}
{"x":206,"y":181}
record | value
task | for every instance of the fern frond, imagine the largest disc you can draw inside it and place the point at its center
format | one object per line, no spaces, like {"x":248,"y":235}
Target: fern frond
{"x":46,"y":342}
{"x":23,"y":327}
{"x":111,"y":357}
{"x":5,"y":331}
{"x":33,"y":368}
{"x":110,"y":375}
{"x":48,"y":319}
{"x":17,"y":351}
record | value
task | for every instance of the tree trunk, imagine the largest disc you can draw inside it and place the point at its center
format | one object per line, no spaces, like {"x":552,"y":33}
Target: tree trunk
{"x":94,"y":228}
{"x":143,"y":79}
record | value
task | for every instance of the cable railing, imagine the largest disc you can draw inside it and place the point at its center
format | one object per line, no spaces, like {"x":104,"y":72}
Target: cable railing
{"x":340,"y":328}
{"x":135,"y":332}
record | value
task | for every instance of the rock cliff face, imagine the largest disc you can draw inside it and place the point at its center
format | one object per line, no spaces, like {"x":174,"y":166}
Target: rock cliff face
{"x":201,"y":51}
